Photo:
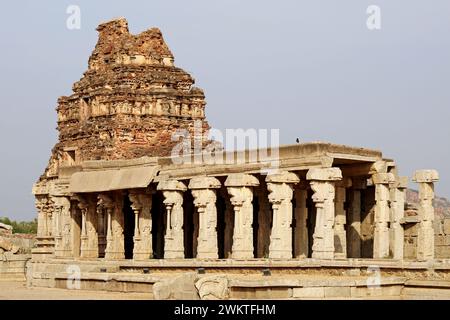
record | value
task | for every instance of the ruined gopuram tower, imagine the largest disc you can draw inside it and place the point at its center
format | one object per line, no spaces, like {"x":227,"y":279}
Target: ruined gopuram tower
{"x":128,"y":103}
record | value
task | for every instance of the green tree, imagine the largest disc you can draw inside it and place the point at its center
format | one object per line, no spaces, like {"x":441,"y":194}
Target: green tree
{"x":21,"y":226}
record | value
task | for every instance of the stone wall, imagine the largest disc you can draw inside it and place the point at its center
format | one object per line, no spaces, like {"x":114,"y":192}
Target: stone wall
{"x":24,"y":242}
{"x":441,"y":239}
{"x":15,"y":251}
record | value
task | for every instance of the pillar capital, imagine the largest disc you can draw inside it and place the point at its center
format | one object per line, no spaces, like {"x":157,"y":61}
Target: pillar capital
{"x":241,"y":180}
{"x":400,"y":183}
{"x":135,"y":200}
{"x":83,"y":201}
{"x":383,"y":178}
{"x":204,"y":183}
{"x":171,"y":185}
{"x":379,"y":166}
{"x":426,"y":176}
{"x":280,"y":186}
{"x":283,"y":177}
{"x":105,"y":201}
{"x":324,"y":174}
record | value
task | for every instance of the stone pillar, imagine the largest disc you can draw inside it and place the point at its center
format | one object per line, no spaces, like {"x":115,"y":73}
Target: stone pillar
{"x":264,"y":222}
{"x":301,"y":216}
{"x":322,"y":183}
{"x":381,"y":219}
{"x":141,"y":204}
{"x":89,"y":236}
{"x":239,"y":187}
{"x":204,"y":193}
{"x":40,"y":205}
{"x":354,"y":230}
{"x":280,"y":187}
{"x":173,"y":200}
{"x":45,"y":242}
{"x":340,"y":235}
{"x":105,"y":203}
{"x":114,"y":239}
{"x":425,"y":237}
{"x":63,"y":236}
{"x":45,"y":208}
{"x":397,"y":195}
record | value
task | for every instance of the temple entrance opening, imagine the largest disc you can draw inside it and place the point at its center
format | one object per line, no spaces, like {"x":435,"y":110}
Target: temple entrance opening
{"x":158,"y":225}
{"x":129,"y":225}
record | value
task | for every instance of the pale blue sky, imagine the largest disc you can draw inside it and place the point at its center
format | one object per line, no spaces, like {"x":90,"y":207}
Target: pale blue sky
{"x":310,"y":68}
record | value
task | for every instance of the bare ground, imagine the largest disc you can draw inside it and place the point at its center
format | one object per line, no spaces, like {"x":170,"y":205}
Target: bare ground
{"x":17,"y":290}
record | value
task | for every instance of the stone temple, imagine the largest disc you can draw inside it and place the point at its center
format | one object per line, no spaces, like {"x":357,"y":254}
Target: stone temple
{"x":117,"y":204}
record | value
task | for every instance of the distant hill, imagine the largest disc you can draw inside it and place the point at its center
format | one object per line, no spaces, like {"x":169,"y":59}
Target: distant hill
{"x":441,"y":205}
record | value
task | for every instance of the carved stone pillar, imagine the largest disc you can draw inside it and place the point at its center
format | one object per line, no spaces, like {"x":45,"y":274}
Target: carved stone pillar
{"x":425,"y":237}
{"x":40,"y":205}
{"x":354,"y":230}
{"x":141,"y":204}
{"x":89,"y":236}
{"x":204,"y":193}
{"x":173,"y":200}
{"x":340,"y":235}
{"x":322,"y":183}
{"x":301,"y":216}
{"x":62,"y":227}
{"x":105,"y":203}
{"x":114,"y":239}
{"x":45,"y":208}
{"x":280,"y":187}
{"x":381,"y":230}
{"x":45,"y":242}
{"x":239,"y":187}
{"x":397,"y":195}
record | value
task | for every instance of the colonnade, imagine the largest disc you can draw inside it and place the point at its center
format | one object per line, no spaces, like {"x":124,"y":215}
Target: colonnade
{"x":282,"y":200}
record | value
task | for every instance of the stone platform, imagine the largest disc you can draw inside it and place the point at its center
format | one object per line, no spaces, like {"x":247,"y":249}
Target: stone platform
{"x":253,"y":279}
{"x":13,"y":267}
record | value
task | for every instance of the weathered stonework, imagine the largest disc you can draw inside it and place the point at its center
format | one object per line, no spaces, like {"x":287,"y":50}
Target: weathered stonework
{"x":280,"y":187}
{"x":240,"y":189}
{"x":397,"y":190}
{"x":115,"y":201}
{"x":382,"y":214}
{"x":322,"y":183}
{"x":425,"y":239}
{"x":129,"y":102}
{"x":340,"y":236}
{"x":204,"y":192}
{"x":173,"y":193}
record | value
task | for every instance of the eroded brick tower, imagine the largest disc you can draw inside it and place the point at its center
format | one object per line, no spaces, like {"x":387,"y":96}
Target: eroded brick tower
{"x":128,"y":103}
